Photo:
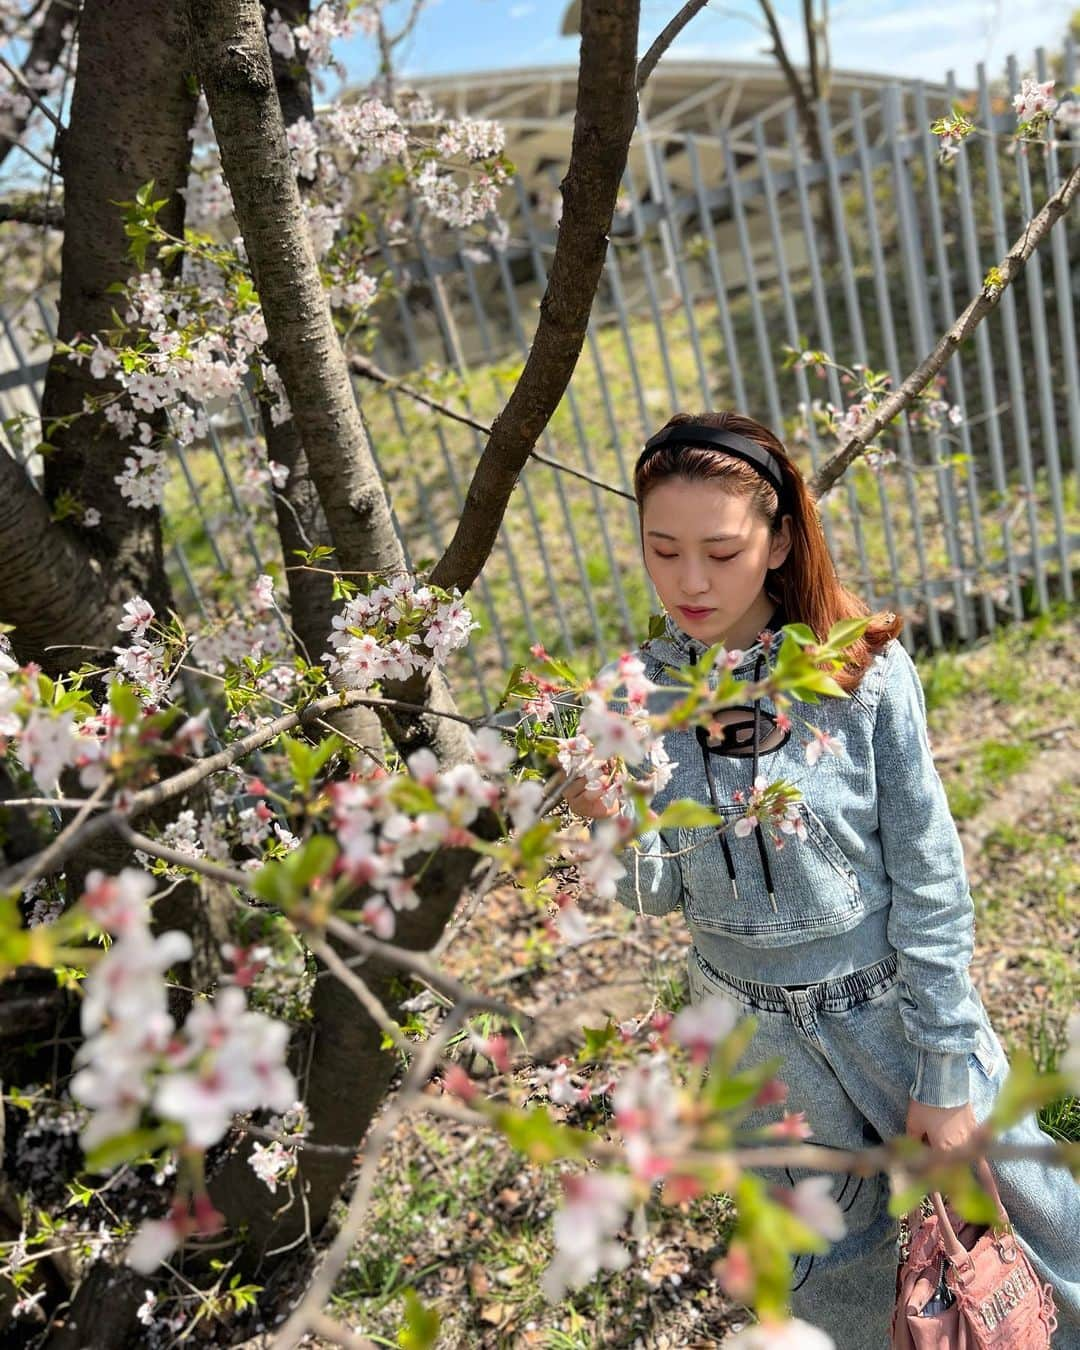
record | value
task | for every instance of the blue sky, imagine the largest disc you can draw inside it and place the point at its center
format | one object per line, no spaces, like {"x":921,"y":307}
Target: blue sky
{"x":901,"y":37}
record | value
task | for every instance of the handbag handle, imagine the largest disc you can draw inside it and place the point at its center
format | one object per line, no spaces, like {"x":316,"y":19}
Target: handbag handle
{"x":954,"y":1249}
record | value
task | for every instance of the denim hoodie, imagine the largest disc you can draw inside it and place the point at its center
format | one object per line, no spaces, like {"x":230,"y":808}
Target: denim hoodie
{"x":880,"y":870}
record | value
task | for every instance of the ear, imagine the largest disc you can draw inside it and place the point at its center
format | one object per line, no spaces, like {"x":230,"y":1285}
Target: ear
{"x":780,"y":546}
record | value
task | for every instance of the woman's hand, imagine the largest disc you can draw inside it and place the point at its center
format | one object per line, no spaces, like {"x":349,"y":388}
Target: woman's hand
{"x":585,"y":803}
{"x":941,"y":1126}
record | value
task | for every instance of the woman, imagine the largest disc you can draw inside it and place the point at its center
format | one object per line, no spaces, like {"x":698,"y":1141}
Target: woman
{"x":849,"y":935}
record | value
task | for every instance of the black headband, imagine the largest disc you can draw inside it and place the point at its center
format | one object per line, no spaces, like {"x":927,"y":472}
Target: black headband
{"x":699,"y":433}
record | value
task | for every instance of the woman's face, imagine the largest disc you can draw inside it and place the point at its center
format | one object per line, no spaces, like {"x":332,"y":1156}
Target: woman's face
{"x":707,"y":553}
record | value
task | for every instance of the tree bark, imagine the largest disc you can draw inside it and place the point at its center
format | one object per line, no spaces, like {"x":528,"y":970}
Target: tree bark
{"x":603,"y":124}
{"x":120,"y":136}
{"x":301,"y":521}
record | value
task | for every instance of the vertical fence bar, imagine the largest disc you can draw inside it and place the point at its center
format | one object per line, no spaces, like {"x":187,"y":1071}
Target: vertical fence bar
{"x":825,"y":333}
{"x":915,"y":269}
{"x":1013,"y":361}
{"x":1033,"y":281}
{"x":988,"y":387}
{"x":772,"y":392}
{"x":644,"y":256}
{"x":946,"y":317}
{"x":613,"y":272}
{"x":661,"y":190}
{"x":716,"y":272}
{"x":413,"y":348}
{"x":892,"y":359}
{"x":556,"y":477}
{"x":487,"y":350}
{"x":579,"y":429}
{"x":1063,"y":291}
{"x":791,"y":322}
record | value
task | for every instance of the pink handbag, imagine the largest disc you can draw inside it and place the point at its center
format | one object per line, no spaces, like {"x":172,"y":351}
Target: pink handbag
{"x":968,"y":1287}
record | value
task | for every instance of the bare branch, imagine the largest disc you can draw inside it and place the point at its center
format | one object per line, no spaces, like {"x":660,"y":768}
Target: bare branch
{"x":370,"y":371}
{"x":412,"y":1091}
{"x":983,"y":304}
{"x":33,"y":210}
{"x":666,"y":37}
{"x":603,"y":124}
{"x":46,"y":48}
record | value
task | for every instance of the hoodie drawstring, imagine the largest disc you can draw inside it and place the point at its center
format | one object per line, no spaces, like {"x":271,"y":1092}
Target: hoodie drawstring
{"x":703,"y":740}
{"x":762,"y":852}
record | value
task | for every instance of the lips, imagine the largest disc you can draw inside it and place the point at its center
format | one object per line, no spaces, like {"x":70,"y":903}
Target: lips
{"x":691,"y":613}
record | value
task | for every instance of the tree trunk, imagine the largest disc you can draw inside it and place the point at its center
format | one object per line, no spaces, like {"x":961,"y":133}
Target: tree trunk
{"x":130,"y":115}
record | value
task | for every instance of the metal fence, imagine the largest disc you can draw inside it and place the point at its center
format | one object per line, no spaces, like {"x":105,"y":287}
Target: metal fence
{"x":718,"y":258}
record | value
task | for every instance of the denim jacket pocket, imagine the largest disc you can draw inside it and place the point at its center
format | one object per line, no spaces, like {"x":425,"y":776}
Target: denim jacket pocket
{"x":816,"y":889}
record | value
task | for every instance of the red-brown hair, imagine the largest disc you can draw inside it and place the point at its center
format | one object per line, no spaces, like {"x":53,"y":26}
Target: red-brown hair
{"x":805,"y":583}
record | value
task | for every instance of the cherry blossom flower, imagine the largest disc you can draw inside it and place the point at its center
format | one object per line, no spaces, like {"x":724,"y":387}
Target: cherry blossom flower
{"x":812,"y":1203}
{"x":824,"y":743}
{"x":262,"y":593}
{"x":700,"y":1027}
{"x":46,"y":747}
{"x":138,"y":616}
{"x":155,"y":1240}
{"x":572,"y":925}
{"x":594,"y":1209}
{"x":118,"y":904}
{"x":271,"y":1163}
{"x":145,"y":1311}
{"x":1034,"y":97}
{"x":560,"y":1089}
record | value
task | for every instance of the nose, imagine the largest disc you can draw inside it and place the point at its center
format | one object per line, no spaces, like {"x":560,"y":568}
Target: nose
{"x":693,"y":581}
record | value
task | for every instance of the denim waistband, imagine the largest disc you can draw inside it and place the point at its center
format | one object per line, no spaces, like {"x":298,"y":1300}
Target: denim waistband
{"x":835,"y":995}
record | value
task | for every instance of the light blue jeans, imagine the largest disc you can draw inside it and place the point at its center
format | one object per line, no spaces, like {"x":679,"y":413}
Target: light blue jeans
{"x":847,"y":1064}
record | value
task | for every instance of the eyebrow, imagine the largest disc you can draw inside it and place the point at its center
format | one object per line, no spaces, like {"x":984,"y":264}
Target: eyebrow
{"x":710,"y":539}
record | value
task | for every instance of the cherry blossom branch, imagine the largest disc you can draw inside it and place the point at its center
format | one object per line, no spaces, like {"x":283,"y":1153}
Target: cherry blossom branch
{"x":370,"y":371}
{"x":416,"y":963}
{"x":318,"y":1292}
{"x":147,"y":798}
{"x":46,"y":48}
{"x":31,"y":93}
{"x":666,"y":37}
{"x":1010,"y":267}
{"x":41,"y":862}
{"x":819,"y":1157}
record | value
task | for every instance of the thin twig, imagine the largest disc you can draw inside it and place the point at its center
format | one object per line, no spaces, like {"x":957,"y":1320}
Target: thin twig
{"x":375,"y":373}
{"x":372,"y":1004}
{"x":1010,"y":267}
{"x":318,"y":1292}
{"x":666,"y":37}
{"x":30,"y":92}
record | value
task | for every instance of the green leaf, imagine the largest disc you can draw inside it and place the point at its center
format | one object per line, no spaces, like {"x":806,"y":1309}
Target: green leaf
{"x":306,"y":760}
{"x":687,"y":815}
{"x":124,"y":702}
{"x":421,"y":1324}
{"x":597,"y":1041}
{"x":134,"y":1144}
{"x":539,"y":1137}
{"x":847,"y":631}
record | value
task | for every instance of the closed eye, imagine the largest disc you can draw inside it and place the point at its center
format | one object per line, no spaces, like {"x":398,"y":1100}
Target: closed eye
{"x":727,"y":558}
